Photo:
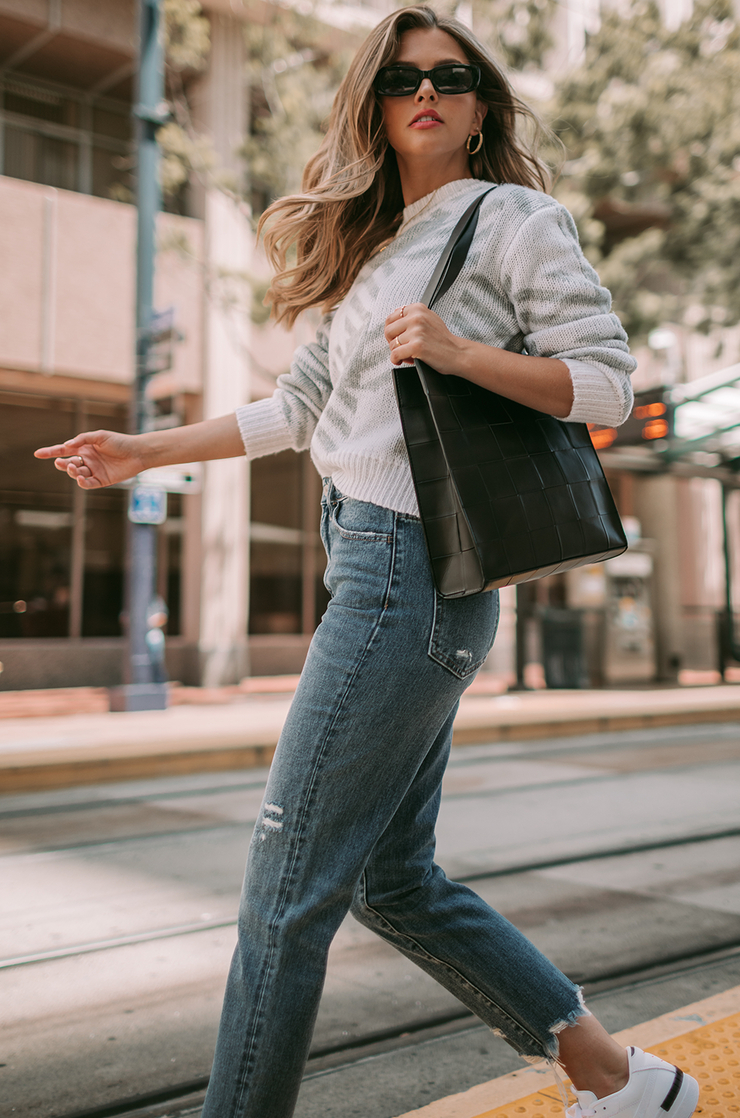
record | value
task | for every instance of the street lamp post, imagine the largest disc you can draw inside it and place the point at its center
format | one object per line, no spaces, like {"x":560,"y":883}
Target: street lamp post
{"x":144,"y":687}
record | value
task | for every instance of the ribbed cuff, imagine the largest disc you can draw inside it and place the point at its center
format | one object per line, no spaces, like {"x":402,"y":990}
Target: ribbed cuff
{"x":596,"y":396}
{"x":263,"y":428}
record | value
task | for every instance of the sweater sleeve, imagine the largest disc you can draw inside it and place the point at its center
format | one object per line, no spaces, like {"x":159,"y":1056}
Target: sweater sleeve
{"x":286,"y":421}
{"x":564,"y":312}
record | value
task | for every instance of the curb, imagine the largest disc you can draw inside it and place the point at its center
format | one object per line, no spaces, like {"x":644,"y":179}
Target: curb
{"x":59,"y":752}
{"x":518,"y":1086}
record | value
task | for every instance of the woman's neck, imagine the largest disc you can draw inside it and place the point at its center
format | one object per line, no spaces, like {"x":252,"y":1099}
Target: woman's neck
{"x":421,"y":177}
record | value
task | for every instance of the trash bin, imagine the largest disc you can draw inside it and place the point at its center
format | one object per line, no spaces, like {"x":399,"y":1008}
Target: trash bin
{"x":563,"y":653}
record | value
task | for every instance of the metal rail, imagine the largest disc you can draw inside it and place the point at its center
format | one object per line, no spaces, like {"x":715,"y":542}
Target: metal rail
{"x":478,"y":875}
{"x":661,"y":969}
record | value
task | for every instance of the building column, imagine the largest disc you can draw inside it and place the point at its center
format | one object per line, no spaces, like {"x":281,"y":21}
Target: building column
{"x":657,"y":508}
{"x":225,"y":495}
{"x":224,"y":601}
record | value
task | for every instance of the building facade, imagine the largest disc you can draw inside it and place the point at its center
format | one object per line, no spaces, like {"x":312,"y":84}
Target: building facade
{"x":67,"y":338}
{"x":239,"y":560}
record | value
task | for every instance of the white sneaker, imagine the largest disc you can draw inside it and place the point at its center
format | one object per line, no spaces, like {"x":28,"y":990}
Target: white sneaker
{"x":655,"y":1089}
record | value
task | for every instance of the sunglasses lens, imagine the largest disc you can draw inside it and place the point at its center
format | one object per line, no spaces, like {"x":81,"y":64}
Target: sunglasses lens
{"x":400,"y":81}
{"x":454,"y":79}
{"x":397,"y":82}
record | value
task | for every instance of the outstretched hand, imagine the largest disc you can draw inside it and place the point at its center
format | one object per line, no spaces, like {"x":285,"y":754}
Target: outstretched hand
{"x":95,"y":459}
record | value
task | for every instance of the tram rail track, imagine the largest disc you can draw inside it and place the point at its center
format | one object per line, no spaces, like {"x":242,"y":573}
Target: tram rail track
{"x":479,"y":875}
{"x":149,"y":833}
{"x":357,"y":1048}
{"x":461,"y":757}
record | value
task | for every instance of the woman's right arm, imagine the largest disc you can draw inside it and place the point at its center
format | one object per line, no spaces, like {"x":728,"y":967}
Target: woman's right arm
{"x":95,"y":459}
{"x":286,"y":419}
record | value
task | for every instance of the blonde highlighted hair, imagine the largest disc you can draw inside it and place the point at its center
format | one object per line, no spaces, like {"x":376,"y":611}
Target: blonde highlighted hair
{"x":351,"y":201}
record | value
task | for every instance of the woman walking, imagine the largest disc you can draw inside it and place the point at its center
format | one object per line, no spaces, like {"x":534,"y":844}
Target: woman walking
{"x":423,"y":123}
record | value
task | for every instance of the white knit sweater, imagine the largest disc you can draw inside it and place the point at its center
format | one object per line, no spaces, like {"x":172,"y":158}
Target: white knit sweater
{"x":525,"y":287}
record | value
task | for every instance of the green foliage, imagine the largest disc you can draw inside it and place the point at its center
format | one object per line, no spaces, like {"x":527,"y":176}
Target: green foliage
{"x":187,"y":35}
{"x":293,"y":73}
{"x":183,"y":153}
{"x":517,"y":30}
{"x":651,"y":124}
{"x":295,"y":69}
{"x":187,"y":42}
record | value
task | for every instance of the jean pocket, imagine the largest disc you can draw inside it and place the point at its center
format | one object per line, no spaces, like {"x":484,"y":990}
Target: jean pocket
{"x":463,"y":631}
{"x":357,"y":520}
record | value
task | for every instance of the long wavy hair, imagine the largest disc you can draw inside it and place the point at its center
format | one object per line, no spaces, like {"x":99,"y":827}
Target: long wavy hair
{"x":351,"y":201}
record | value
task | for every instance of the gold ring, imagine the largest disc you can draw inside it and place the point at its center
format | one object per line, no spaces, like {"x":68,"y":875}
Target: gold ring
{"x":403,"y":308}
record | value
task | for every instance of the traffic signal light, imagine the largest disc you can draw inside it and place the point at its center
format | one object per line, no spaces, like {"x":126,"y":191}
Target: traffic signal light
{"x":650,"y":421}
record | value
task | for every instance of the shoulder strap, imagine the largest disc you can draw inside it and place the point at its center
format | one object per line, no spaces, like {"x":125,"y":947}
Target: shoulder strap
{"x":454,"y":253}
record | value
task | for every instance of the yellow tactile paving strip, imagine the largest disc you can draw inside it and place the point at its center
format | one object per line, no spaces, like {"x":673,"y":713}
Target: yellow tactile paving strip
{"x":711,"y":1053}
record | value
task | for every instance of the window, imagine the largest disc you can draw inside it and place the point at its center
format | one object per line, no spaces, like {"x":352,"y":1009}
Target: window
{"x":287,"y":593}
{"x":60,"y":137}
{"x":61,"y":550}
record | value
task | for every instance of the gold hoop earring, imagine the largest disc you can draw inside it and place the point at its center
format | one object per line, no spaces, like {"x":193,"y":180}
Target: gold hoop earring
{"x":478,"y":146}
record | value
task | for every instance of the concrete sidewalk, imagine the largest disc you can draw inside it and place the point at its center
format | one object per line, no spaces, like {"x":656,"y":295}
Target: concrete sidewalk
{"x":81,"y":748}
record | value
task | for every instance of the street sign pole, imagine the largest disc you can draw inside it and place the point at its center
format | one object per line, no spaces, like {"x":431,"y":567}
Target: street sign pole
{"x":142,"y":689}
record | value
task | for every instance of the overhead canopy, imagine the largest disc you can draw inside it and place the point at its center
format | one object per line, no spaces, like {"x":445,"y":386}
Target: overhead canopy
{"x":707,"y":417}
{"x":705,"y":441}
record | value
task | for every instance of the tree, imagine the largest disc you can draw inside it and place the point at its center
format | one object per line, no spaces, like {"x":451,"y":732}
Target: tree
{"x":651,"y":125}
{"x":187,"y":42}
{"x":295,"y":65}
{"x":518,"y":31}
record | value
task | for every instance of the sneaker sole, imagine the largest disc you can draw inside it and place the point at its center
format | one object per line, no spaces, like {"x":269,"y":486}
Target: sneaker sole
{"x":681,"y":1100}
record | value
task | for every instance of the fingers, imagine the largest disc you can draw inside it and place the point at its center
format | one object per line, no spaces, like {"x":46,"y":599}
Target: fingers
{"x":400,"y":351}
{"x":74,"y":463}
{"x":72,"y":446}
{"x":76,"y":468}
{"x":402,"y":330}
{"x":408,"y":310}
{"x":51,"y":451}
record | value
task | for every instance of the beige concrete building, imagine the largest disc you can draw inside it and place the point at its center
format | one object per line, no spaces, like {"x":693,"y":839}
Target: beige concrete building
{"x":67,"y":354}
{"x":239,"y":557}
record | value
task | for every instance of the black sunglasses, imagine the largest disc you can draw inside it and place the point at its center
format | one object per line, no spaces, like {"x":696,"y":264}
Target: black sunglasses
{"x":401,"y":81}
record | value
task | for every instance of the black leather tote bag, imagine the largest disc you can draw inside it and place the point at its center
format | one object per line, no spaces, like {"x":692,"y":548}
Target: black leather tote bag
{"x":506,"y":494}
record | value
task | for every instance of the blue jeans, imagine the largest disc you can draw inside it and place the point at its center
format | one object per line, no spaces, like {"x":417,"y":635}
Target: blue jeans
{"x":347,"y":822}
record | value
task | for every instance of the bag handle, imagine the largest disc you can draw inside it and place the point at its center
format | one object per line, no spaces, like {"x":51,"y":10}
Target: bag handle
{"x":454,"y":253}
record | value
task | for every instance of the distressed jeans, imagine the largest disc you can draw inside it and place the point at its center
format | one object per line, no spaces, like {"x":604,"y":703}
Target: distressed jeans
{"x":348,"y":818}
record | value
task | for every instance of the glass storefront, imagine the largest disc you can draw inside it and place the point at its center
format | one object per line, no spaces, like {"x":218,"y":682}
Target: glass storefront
{"x":61,"y":550}
{"x":287,"y":594}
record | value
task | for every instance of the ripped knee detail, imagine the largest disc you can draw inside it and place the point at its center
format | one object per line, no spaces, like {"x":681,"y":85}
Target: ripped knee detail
{"x":270,"y":822}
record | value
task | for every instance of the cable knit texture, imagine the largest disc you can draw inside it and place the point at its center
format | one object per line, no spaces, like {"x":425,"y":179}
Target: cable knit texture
{"x":525,"y":287}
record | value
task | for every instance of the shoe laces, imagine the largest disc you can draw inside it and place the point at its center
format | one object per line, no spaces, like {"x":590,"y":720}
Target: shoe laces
{"x":577,"y":1111}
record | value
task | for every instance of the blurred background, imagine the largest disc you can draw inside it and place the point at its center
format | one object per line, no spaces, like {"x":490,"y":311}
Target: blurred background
{"x":644,"y":98}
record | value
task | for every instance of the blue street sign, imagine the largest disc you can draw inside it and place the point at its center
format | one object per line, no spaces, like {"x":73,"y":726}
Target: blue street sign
{"x":147,"y":505}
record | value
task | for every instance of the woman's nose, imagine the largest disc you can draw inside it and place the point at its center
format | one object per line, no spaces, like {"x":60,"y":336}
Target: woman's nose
{"x":426,"y":91}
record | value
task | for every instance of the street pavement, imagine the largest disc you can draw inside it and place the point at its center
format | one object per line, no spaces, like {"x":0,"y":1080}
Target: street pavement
{"x":120,"y":900}
{"x":238,"y":729}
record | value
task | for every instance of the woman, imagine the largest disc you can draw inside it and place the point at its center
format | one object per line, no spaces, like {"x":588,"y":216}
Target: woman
{"x":423,"y":122}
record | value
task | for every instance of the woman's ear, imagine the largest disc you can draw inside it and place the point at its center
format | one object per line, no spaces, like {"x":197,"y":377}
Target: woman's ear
{"x":481,"y":110}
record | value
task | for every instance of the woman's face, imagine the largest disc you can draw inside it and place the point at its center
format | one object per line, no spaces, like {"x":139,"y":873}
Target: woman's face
{"x":427,"y":123}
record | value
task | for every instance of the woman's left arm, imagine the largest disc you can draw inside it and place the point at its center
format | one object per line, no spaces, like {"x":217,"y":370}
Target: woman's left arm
{"x":543,"y":383}
{"x":577,"y":364}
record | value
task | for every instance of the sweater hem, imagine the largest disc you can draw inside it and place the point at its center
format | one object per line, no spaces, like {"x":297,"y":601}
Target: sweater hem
{"x":372,"y":481}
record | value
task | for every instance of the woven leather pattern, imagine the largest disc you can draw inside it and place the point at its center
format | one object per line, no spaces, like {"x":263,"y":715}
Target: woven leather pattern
{"x":506,"y":493}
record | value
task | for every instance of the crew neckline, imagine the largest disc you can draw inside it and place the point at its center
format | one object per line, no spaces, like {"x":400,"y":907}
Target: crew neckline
{"x":441,"y":194}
